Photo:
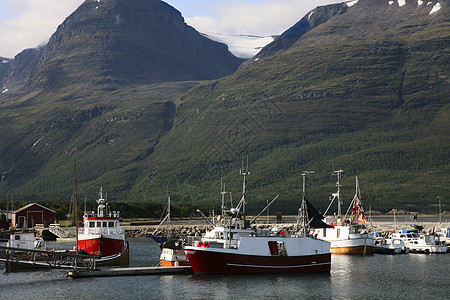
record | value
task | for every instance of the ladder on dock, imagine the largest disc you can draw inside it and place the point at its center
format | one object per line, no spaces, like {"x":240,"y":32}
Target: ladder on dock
{"x":58,"y":231}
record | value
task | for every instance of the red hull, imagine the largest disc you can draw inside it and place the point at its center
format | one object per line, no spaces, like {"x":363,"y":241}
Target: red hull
{"x":209,"y":262}
{"x":102,"y":246}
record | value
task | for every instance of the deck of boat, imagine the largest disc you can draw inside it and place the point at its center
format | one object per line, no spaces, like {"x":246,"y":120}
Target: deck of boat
{"x":131,"y":271}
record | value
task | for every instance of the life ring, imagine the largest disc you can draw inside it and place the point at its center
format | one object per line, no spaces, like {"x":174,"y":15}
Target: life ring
{"x":206,"y":244}
{"x":199,"y":244}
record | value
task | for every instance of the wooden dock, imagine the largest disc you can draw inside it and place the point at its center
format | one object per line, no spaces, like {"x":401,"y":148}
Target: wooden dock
{"x":131,"y":271}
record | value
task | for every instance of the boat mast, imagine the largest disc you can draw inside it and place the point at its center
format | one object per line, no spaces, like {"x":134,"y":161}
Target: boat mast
{"x":76,"y":208}
{"x":439,"y":200}
{"x":244,"y":173}
{"x":336,"y":195}
{"x":395,"y":221}
{"x":303,"y":211}
{"x":169,"y":234}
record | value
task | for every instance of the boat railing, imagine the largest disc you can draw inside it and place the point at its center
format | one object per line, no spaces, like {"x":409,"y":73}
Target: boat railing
{"x":192,"y":240}
{"x":113,"y":214}
{"x":103,"y":230}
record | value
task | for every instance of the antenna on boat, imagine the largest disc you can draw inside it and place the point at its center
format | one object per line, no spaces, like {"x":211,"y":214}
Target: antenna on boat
{"x":303,"y":211}
{"x":222,"y":193}
{"x":85,"y":196}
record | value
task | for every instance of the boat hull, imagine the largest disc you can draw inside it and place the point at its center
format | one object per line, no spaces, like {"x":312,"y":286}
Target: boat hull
{"x":427,"y":249}
{"x":352,"y":250}
{"x":121,"y":259}
{"x":102,"y":245}
{"x":167,"y":263}
{"x":173,"y":258}
{"x":205,"y":261}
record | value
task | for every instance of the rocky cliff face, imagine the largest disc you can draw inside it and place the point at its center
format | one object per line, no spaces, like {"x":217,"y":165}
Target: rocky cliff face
{"x":313,"y":19}
{"x":129,"y":41}
{"x":19,"y":69}
{"x":4,"y":68}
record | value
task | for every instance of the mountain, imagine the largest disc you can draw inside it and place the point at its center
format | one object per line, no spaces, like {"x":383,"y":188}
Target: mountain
{"x":365,"y":91}
{"x":128,"y":42}
{"x":363,"y":88}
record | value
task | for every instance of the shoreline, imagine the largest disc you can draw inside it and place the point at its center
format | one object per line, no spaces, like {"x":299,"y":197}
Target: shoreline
{"x":196,"y":227}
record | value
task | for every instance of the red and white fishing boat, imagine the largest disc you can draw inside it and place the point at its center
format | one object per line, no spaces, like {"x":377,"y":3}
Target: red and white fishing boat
{"x":232,"y":247}
{"x":103,"y":235}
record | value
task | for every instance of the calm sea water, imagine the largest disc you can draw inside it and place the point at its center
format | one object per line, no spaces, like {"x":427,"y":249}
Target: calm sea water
{"x":411,"y":276}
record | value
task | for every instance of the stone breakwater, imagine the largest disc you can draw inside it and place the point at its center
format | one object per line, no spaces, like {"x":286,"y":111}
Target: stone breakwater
{"x":183,"y":230}
{"x":198,"y":229}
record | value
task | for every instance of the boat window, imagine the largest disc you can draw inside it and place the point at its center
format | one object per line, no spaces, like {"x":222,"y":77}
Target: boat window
{"x":17,"y":237}
{"x":338,"y":233}
{"x":324,"y":232}
{"x":91,"y":224}
{"x":111,"y":224}
{"x":105,"y":224}
{"x":99,"y":224}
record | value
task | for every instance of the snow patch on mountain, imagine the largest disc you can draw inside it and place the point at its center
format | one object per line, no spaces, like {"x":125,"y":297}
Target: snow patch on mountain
{"x":435,"y":8}
{"x":241,"y":45}
{"x":351,"y":3}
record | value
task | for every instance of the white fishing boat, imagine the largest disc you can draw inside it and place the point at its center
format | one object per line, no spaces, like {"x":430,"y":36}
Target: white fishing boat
{"x":420,"y":243}
{"x":444,"y":235}
{"x":348,"y":235}
{"x":233,"y":247}
{"x":25,"y":240}
{"x":388,"y":246}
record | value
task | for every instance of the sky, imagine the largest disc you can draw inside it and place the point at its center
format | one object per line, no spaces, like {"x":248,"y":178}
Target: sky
{"x":30,"y":23}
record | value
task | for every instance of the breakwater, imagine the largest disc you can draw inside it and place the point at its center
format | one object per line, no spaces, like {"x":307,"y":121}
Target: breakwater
{"x":198,"y":229}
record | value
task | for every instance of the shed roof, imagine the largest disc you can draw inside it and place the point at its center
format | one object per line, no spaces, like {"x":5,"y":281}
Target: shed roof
{"x":30,"y":205}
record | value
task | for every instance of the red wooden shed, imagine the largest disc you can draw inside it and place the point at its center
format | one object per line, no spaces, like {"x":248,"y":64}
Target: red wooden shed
{"x":33,"y":214}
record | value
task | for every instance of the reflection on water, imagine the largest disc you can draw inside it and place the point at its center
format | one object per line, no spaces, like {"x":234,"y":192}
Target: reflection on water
{"x":414,"y":276}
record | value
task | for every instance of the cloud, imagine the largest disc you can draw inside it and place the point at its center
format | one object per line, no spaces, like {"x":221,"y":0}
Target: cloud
{"x":266,"y":17}
{"x":30,"y":23}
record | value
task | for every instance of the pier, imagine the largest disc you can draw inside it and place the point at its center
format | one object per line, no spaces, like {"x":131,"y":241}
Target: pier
{"x":131,"y":271}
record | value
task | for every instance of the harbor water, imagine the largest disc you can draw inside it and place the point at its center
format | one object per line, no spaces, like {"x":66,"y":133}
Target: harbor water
{"x":410,"y":276}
